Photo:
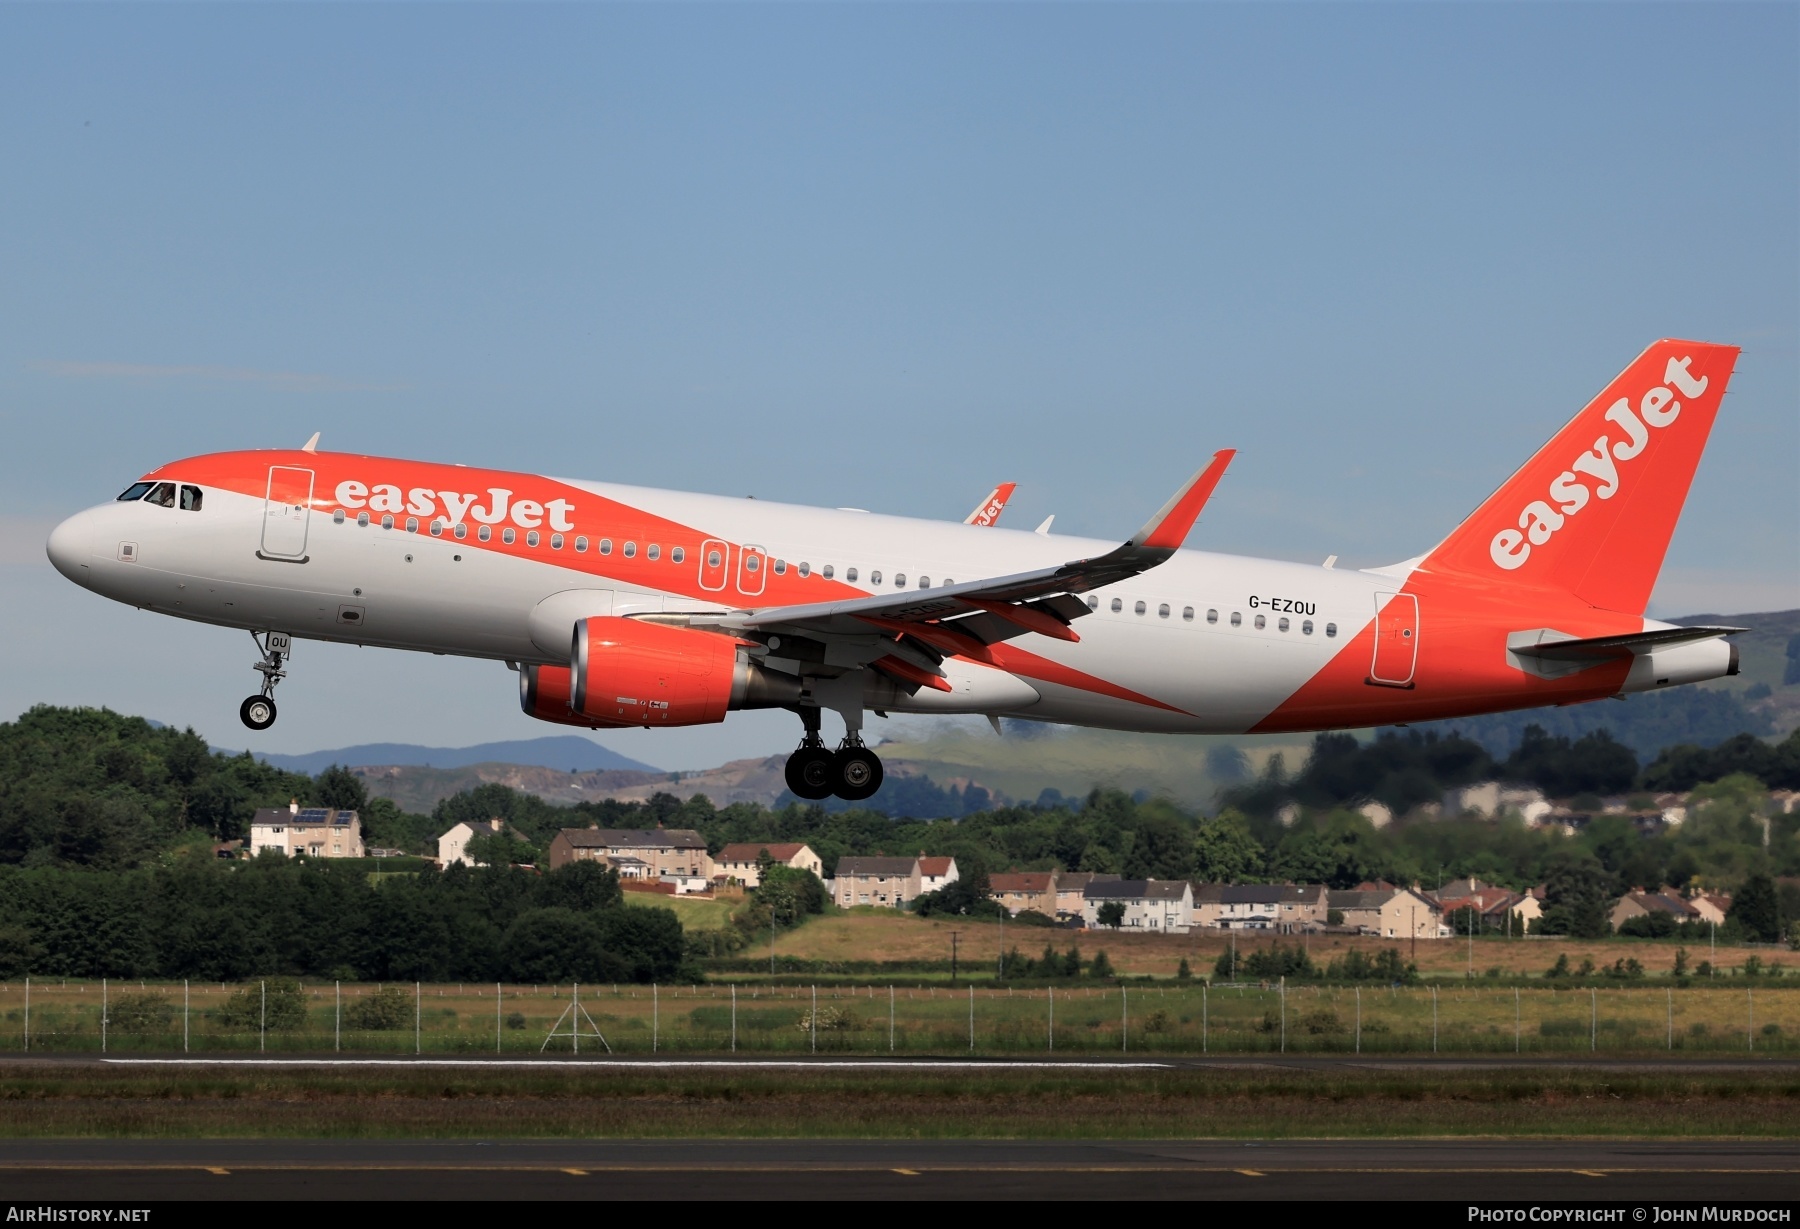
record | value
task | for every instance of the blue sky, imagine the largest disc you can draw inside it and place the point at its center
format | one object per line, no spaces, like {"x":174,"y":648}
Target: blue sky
{"x":880,"y":255}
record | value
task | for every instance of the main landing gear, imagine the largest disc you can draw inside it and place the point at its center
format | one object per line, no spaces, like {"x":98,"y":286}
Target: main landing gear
{"x":258,"y":712}
{"x":852,"y":772}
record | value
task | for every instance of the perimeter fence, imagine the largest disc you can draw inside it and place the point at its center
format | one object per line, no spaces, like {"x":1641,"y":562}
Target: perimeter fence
{"x":286,"y":1016}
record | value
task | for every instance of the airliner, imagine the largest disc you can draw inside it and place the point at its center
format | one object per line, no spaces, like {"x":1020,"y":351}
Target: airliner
{"x":623,"y":606}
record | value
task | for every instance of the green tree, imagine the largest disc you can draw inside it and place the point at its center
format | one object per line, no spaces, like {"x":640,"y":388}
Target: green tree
{"x":1577,"y":891}
{"x":790,"y":893}
{"x":340,"y":789}
{"x":1754,"y":908}
{"x":1112,"y":914}
{"x":1100,"y":968}
{"x":1225,"y":851}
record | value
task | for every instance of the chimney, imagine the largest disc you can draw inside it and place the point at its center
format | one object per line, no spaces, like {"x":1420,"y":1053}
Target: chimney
{"x":293,"y":806}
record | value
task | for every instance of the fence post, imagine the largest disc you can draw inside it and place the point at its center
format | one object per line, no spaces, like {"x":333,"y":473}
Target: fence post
{"x":418,"y":1018}
{"x":1124,"y":1021}
{"x":262,"y":1027}
{"x":1517,"y":1018}
{"x":1281,"y":988}
{"x":890,"y":1018}
{"x":1359,"y":1019}
{"x":1051,"y":1046}
{"x":1434,"y":1022}
{"x":734,"y":1017}
{"x":1671,"y":994}
{"x":1203,"y":1017}
{"x":971,"y":1017}
{"x":496,"y":1017}
{"x":103,"y":1015}
{"x":656,"y":1017}
{"x":813,"y":1019}
{"x":28,"y":1015}
{"x":337,"y":1019}
{"x":1750,"y":999}
{"x":184,"y":1015}
{"x":1593,"y":1020}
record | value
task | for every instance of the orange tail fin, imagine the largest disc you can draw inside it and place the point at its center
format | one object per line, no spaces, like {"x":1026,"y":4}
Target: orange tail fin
{"x":1593,"y":511}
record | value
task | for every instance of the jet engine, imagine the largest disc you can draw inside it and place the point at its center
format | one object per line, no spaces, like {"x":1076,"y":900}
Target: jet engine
{"x":626,"y":672}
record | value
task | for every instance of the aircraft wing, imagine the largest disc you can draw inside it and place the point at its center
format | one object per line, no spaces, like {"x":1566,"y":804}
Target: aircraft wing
{"x":963,"y":619}
{"x":988,"y":511}
{"x":1597,"y":648}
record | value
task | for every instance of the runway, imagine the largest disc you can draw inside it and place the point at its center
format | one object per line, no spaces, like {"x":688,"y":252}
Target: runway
{"x":864,"y":1170}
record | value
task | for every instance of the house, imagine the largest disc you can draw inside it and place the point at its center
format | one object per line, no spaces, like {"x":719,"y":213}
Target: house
{"x":317,"y":832}
{"x":1392,"y":913}
{"x":663,"y":851}
{"x":1710,"y":907}
{"x":1286,"y":907}
{"x":935,"y":874}
{"x":885,"y":882}
{"x":1164,"y":906}
{"x":453,"y":846}
{"x":743,"y":861}
{"x":1492,"y":905}
{"x":1071,"y":890}
{"x":1639,"y":903}
{"x":1491,"y":800}
{"x":1018,"y":891}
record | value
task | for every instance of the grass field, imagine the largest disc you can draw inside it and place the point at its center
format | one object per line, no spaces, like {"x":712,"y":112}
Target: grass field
{"x":564,"y":1102}
{"x":876,"y":935}
{"x":1099,"y":1020}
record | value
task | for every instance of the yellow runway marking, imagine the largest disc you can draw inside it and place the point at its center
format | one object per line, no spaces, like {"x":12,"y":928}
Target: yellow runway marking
{"x":1250,"y":1173}
{"x":579,"y":1173}
{"x":829,"y":1167}
{"x":214,"y":1169}
{"x":911,"y":1173}
{"x":1588,"y":1173}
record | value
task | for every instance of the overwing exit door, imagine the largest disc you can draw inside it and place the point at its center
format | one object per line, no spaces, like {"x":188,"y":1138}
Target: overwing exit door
{"x":286,"y":508}
{"x":1396,"y":639}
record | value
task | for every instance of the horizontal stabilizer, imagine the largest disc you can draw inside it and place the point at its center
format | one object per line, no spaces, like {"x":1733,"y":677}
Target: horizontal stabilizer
{"x":1555,"y":647}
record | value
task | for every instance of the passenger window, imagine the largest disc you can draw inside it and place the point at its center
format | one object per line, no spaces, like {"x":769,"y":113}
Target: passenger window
{"x":714,"y":559}
{"x":924,"y":582}
{"x":781,"y":567}
{"x":676,"y":554}
{"x":1162,"y":611}
{"x":1093,"y":602}
{"x":486,"y":533}
{"x":581,"y":544}
{"x":362,"y":520}
{"x":826,"y":572}
{"x":163,"y":495}
{"x":1117,"y":605}
{"x":337,"y":516}
{"x":874,"y":578}
{"x":1138,"y":608}
{"x":1237,"y":620}
{"x":387,"y":522}
{"x":437,"y":528}
{"x":752,"y":563}
{"x":190,"y":499}
{"x":134,"y":492}
{"x":1261,"y":622}
{"x":899,"y":580}
{"x":631,"y":550}
{"x":556,"y":541}
{"x":805,"y":568}
{"x":653,"y":551}
{"x":1306,"y":628}
{"x":509,"y":535}
{"x":1331,"y":629}
{"x":606,"y":546}
{"x":461,"y":531}
{"x":1282,"y":624}
{"x":412,"y":524}
{"x":850,"y":575}
{"x":531,"y":537}
{"x":1212,"y":616}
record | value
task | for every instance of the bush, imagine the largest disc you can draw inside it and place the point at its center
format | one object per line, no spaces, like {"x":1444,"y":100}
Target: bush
{"x":285,"y":1007}
{"x":832,"y":1020}
{"x":388,"y":1008}
{"x":515,"y":1020}
{"x":1322,"y":1023}
{"x":1100,"y":968}
{"x":1156,"y":1022}
{"x":140,"y":1013}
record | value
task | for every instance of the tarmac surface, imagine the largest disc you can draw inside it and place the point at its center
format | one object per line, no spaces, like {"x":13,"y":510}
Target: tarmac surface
{"x":1465,"y":1172}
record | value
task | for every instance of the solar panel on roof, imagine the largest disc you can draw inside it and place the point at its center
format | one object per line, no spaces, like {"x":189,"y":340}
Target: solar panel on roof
{"x":313,"y":815}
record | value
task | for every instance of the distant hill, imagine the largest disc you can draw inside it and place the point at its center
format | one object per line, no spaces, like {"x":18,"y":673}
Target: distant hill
{"x":568,"y":752}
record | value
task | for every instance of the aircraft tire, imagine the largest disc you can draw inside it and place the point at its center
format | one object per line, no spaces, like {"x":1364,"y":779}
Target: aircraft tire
{"x":257,"y":712}
{"x":858,"y":774}
{"x":811,"y":773}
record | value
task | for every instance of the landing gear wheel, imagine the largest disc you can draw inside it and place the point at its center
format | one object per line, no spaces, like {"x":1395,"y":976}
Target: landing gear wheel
{"x":810,"y":773}
{"x":258,"y":712}
{"x":857,"y":771}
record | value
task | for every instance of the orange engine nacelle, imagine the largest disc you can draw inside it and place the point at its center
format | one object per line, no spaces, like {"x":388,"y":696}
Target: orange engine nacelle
{"x":629,"y":672}
{"x":544,"y":694}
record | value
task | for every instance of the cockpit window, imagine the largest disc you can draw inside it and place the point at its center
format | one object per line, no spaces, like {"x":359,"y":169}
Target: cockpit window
{"x":134,"y":492}
{"x":163,"y":495}
{"x":190,"y":498}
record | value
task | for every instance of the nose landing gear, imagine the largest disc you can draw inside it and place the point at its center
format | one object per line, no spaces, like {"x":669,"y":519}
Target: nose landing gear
{"x":258,"y":712}
{"x":852,"y":772}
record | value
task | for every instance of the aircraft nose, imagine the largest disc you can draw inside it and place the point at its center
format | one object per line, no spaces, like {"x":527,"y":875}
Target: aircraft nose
{"x":71,"y":544}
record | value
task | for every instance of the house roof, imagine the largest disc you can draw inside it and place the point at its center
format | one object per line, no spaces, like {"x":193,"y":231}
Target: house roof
{"x":633,"y":838}
{"x":1077,"y":881}
{"x":889,"y":868}
{"x":1028,"y":882}
{"x":936,"y":868}
{"x":306,"y":817}
{"x":1363,"y":898}
{"x":750,"y":851}
{"x":1663,"y":902}
{"x":1137,"y":889}
{"x":1255,"y":893}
